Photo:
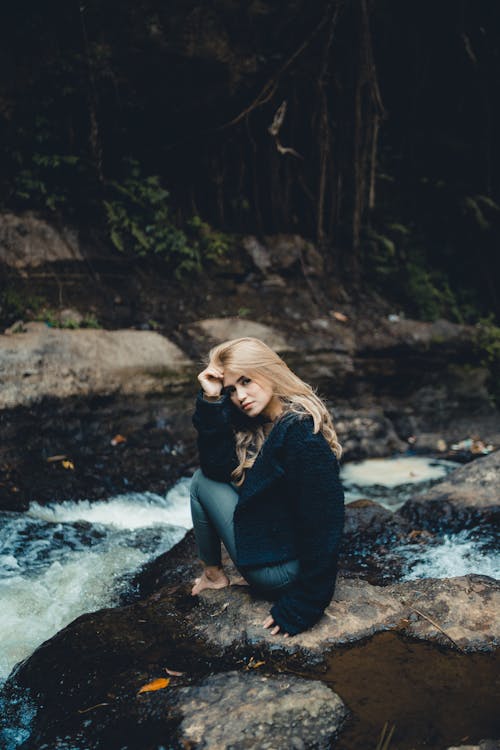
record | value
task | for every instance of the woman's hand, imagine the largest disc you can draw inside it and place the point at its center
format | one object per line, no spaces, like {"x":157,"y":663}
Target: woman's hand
{"x":269,"y":623}
{"x":211,"y":381}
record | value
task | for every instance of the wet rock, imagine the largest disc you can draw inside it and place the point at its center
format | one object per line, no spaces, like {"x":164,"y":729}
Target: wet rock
{"x":159,"y":447}
{"x":53,"y":362}
{"x":469,"y":494}
{"x":259,"y":712}
{"x":27,"y":241}
{"x":372,"y":536}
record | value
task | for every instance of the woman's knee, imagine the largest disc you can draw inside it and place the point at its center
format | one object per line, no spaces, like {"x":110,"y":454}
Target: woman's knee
{"x":272,"y":578}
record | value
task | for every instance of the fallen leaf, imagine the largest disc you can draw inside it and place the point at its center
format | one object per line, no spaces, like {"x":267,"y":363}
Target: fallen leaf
{"x":118,"y":439}
{"x":340,"y":316}
{"x":252,"y":664}
{"x":158,"y":684}
{"x":68,"y":465}
{"x":173,"y":672}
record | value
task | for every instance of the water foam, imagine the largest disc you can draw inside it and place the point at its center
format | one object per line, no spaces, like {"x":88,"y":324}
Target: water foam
{"x":134,"y":510}
{"x":60,"y":561}
{"x":454,"y":555}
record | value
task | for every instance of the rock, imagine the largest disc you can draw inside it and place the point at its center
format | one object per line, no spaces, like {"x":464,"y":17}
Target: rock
{"x":27,"y":241}
{"x":371,"y":542}
{"x":223,"y":329}
{"x":414,"y":334}
{"x":280,"y":252}
{"x":259,"y":711}
{"x":470,"y":493}
{"x":92,"y":361}
{"x":483,"y":745}
{"x":366,"y":433}
{"x":70,"y":318}
{"x":467,"y":608}
{"x":17,"y":327}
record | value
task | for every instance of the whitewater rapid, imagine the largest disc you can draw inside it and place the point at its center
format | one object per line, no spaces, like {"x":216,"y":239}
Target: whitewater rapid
{"x":60,"y":561}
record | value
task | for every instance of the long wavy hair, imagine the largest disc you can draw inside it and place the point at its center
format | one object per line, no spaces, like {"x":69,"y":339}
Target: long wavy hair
{"x":253,"y":358}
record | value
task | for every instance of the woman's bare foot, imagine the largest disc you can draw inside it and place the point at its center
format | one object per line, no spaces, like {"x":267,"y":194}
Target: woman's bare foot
{"x":211,"y":578}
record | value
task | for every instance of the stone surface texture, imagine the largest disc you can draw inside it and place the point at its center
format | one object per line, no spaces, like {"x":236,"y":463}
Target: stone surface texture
{"x":473,"y":489}
{"x":27,"y":241}
{"x":466,"y":608}
{"x":240,"y":710}
{"x":46,"y":361}
{"x":223,"y":329}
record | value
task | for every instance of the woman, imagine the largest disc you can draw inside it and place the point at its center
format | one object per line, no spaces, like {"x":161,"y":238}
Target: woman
{"x":269,"y":483}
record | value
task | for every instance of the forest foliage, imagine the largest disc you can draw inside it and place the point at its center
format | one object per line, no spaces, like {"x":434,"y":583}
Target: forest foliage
{"x":369,"y":126}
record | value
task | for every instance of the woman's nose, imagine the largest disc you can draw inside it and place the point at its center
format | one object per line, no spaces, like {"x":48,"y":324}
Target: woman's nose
{"x":240,"y":392}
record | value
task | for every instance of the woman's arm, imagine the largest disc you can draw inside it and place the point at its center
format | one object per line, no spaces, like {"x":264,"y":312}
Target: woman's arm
{"x":312,"y":474}
{"x":216,"y":444}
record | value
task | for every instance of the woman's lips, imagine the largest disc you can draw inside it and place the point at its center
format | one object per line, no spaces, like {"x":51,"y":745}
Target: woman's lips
{"x":248,"y":405}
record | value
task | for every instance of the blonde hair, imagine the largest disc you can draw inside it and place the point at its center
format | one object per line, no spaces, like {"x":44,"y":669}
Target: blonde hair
{"x":252,"y":357}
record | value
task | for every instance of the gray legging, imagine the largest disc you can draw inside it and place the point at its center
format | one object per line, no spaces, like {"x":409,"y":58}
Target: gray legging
{"x":212,"y":509}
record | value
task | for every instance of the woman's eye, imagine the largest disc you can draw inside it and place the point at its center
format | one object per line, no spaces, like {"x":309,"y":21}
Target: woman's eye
{"x":245,"y":381}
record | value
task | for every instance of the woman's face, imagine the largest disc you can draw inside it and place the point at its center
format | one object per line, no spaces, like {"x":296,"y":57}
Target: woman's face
{"x":252,"y":397}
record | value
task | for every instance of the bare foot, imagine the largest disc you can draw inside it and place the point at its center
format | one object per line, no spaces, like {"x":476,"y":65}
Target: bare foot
{"x":211,"y":578}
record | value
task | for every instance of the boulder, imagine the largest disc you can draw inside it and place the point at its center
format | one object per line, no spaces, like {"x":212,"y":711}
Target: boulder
{"x":213,"y":331}
{"x":366,"y":433}
{"x":281,"y":252}
{"x":27,"y":241}
{"x":47,"y":361}
{"x":470,"y":493}
{"x":259,"y":711}
{"x":406,"y":334}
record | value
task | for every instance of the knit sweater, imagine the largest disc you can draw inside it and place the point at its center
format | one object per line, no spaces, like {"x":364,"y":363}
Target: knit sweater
{"x":291,"y":504}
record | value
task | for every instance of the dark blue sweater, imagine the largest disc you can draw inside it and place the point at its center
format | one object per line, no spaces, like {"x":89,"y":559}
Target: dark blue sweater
{"x":291,"y":505}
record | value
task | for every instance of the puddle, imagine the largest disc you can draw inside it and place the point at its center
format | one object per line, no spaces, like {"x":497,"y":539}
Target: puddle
{"x":435,"y":697}
{"x":392,"y":481}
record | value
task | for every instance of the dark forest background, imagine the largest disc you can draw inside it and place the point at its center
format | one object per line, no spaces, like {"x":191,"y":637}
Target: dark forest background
{"x":161,"y":128}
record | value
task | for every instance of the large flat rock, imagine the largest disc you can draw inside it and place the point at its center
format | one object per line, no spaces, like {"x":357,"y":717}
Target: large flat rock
{"x":466,"y":608}
{"x":54,"y":362}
